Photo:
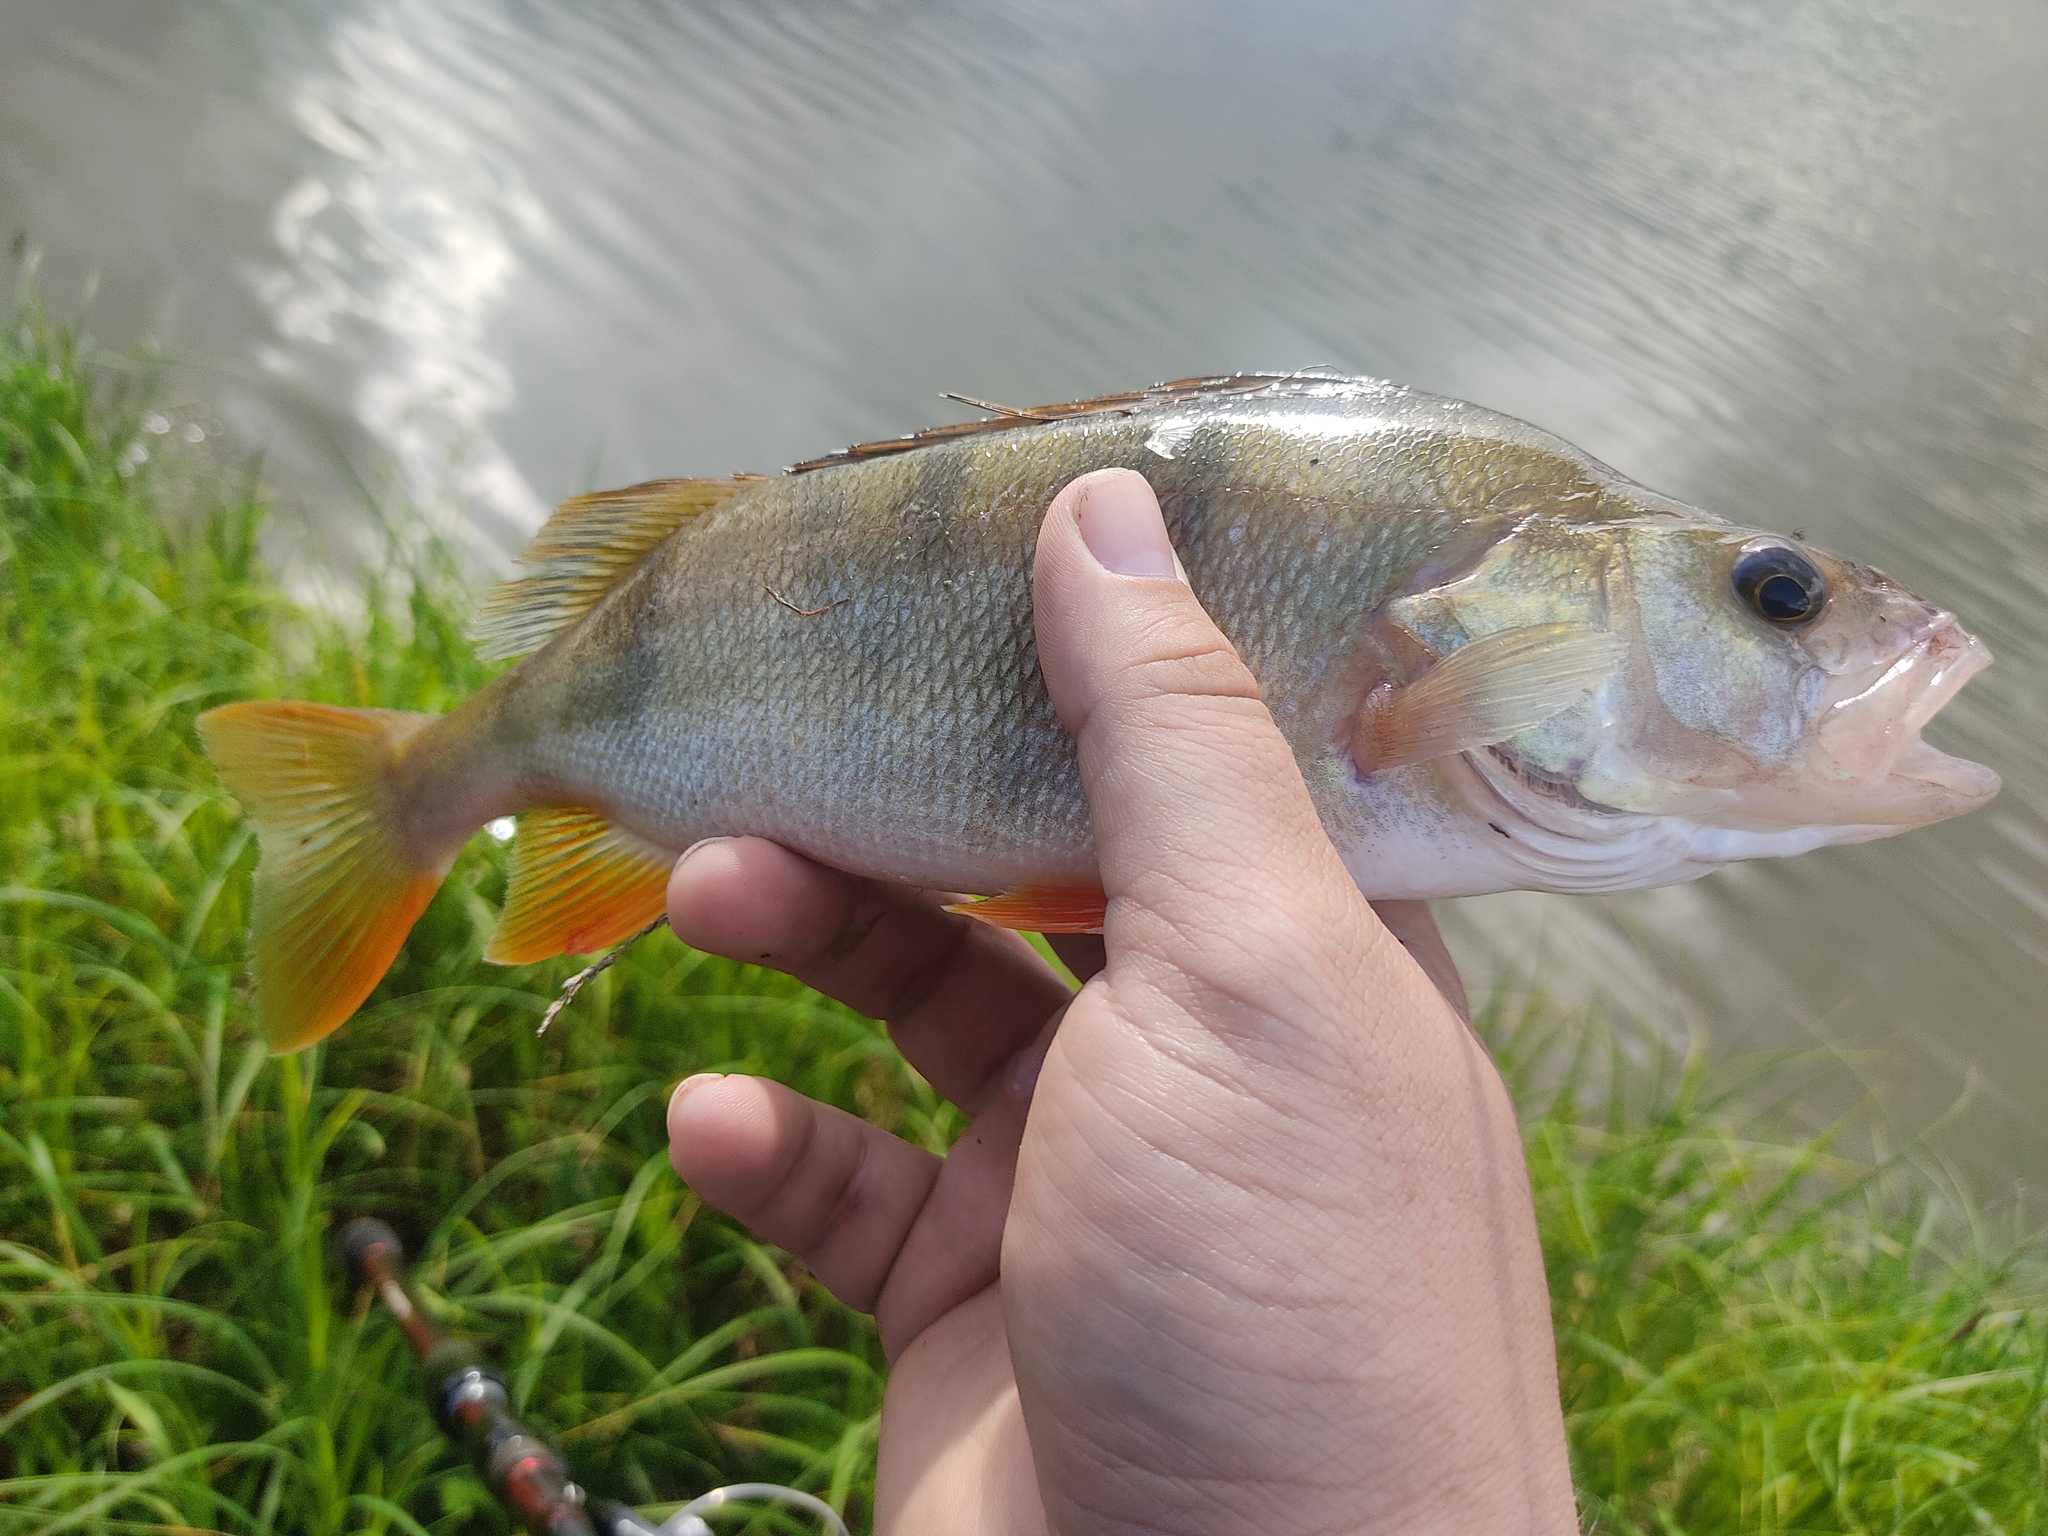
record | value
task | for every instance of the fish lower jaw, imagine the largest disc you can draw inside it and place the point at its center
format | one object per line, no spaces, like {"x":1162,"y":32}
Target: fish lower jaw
{"x":1871,"y":762}
{"x":1957,"y":777}
{"x":1915,"y":785}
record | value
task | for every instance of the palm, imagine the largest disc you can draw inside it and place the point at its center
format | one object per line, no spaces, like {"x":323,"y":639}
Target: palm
{"x":887,"y":1227}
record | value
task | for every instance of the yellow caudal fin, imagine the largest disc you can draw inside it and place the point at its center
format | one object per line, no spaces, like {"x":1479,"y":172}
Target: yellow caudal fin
{"x":337,"y":889}
{"x":578,"y":884}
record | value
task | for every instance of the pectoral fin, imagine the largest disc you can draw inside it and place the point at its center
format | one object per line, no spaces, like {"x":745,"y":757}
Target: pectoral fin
{"x":1484,"y":692}
{"x":579,"y":884}
{"x":1042,"y":909}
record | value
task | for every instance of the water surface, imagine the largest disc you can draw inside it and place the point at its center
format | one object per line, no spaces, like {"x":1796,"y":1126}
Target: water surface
{"x":1789,"y":262}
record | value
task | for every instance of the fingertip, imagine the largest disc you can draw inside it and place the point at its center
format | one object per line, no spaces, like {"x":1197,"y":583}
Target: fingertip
{"x":1122,"y":511}
{"x":684,"y":1089}
{"x":753,"y":900}
{"x":838,"y":1193}
{"x":730,"y":1137}
{"x":1074,"y":496}
{"x":1117,"y":515}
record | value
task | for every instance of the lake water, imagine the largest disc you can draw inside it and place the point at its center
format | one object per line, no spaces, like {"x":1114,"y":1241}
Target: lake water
{"x":1787,"y":261}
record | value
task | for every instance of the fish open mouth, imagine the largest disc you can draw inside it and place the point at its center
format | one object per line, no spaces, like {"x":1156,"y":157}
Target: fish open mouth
{"x":1865,"y":773}
{"x":1868,"y":752}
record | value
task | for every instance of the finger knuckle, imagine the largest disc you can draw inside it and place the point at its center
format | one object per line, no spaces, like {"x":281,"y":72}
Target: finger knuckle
{"x":1177,"y":659}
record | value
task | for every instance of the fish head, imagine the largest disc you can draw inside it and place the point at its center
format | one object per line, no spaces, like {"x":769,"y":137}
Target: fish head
{"x":1769,"y":697}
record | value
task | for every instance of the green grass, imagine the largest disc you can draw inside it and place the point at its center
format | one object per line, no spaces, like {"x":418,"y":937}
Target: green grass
{"x":1756,"y":1334}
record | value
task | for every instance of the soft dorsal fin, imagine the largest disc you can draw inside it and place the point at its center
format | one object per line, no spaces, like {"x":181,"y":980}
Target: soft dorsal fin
{"x":1484,"y":692}
{"x":578,"y":884}
{"x":582,"y":552}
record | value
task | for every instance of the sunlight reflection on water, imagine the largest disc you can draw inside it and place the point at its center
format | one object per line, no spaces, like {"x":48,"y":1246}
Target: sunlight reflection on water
{"x":401,"y":248}
{"x":1789,"y":263}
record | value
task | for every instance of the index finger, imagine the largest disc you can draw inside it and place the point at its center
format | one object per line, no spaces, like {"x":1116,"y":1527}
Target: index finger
{"x":960,"y":998}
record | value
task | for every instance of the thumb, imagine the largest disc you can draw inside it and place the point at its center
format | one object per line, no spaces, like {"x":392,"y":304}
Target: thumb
{"x":1203,"y":824}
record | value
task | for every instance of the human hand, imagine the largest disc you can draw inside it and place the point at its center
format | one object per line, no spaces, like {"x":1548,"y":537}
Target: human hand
{"x":1255,"y":1195}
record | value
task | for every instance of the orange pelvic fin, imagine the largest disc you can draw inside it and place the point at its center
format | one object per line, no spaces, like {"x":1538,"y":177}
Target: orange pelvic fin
{"x":1042,"y":909}
{"x":589,"y":546}
{"x":579,"y":884}
{"x":338,"y":887}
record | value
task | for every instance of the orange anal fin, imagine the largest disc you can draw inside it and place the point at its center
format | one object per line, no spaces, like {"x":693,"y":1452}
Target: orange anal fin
{"x":579,"y":884}
{"x":1042,"y":909}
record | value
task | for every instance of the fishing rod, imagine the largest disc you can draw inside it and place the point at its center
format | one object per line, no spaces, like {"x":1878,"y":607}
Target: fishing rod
{"x":523,"y":1471}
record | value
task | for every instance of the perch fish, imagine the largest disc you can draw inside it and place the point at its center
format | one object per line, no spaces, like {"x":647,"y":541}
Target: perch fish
{"x":1499,"y":664}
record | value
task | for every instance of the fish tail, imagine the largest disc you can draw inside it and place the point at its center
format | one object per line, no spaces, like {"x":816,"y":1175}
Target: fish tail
{"x":338,"y":883}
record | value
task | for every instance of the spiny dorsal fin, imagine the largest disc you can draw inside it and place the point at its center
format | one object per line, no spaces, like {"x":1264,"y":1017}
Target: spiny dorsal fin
{"x":1007,"y":418}
{"x":578,"y":884}
{"x":1484,"y":692}
{"x":582,"y":552}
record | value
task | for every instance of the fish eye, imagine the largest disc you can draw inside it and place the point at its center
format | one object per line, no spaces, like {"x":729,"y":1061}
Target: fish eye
{"x":1779,"y":583}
